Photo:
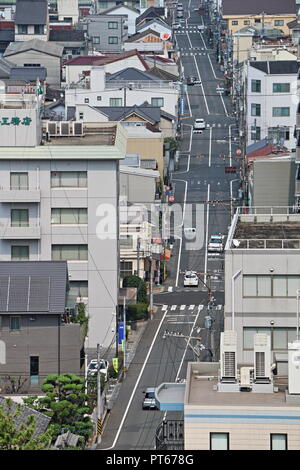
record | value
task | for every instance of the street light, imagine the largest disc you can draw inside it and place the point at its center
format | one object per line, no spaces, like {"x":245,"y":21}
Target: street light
{"x":233,"y":297}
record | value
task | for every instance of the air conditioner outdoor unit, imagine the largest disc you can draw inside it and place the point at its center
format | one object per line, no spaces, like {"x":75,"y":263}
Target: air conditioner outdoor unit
{"x":77,"y":128}
{"x":228,"y":356}
{"x":262,"y":358}
{"x":52,"y":128}
{"x":64,"y":128}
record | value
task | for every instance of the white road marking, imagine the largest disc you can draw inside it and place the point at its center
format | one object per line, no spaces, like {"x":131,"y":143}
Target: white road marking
{"x":209,"y":151}
{"x":191,"y":307}
{"x":173,"y":307}
{"x":199,"y":76}
{"x":206,"y":237}
{"x":164,"y":308}
{"x":182,"y":307}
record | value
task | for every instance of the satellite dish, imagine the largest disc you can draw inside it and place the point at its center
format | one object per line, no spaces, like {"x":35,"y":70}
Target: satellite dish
{"x":236,"y":243}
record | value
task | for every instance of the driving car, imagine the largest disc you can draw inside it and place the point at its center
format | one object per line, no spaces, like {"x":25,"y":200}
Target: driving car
{"x":190,"y":279}
{"x":176,"y":25}
{"x":193,"y":81}
{"x":199,"y":124}
{"x":149,"y":402}
{"x":179,"y":13}
{"x":216,"y":243}
{"x":190,"y":232}
{"x":93,"y":367}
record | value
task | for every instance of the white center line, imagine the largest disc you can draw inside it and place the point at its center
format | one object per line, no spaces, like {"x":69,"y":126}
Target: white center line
{"x":206,"y":237}
{"x":209,"y":151}
{"x":199,"y":76}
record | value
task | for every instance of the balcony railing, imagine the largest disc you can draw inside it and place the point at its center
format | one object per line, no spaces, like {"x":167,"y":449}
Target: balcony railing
{"x":170,"y":435}
{"x":139,"y":84}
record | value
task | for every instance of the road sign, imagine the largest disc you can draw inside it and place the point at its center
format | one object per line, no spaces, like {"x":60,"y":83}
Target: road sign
{"x":238,"y":152}
{"x":230,"y":169}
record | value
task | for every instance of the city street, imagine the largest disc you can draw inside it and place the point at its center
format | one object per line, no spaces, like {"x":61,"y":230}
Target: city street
{"x":200,"y":179}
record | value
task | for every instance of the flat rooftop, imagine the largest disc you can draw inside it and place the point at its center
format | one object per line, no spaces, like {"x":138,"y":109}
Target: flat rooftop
{"x":90,"y":136}
{"x":265,"y":229}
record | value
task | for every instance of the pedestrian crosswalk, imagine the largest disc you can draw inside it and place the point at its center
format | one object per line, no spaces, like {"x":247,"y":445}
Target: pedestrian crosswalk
{"x":193,"y":309}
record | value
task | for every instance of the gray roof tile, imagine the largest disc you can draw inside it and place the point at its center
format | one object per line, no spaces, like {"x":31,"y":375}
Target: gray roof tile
{"x":31,"y":12}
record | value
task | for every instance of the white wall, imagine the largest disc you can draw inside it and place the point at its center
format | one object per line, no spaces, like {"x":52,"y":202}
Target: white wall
{"x":131,"y":17}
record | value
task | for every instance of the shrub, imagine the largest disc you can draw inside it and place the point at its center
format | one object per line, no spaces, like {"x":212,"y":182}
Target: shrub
{"x":135,"y":281}
{"x":137,"y":311}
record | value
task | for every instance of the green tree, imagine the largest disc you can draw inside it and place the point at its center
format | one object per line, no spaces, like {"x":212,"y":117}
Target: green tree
{"x":140,"y":284}
{"x":65,"y":402}
{"x":21,"y":436}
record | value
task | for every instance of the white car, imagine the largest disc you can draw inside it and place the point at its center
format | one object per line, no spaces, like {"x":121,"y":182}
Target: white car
{"x":93,"y":367}
{"x":199,"y":124}
{"x":216,"y":243}
{"x":176,"y":25}
{"x":190,"y":279}
{"x":200,"y":27}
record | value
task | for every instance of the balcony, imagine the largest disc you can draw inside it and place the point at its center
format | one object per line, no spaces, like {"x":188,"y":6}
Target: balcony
{"x":32,"y":232}
{"x":20,"y":195}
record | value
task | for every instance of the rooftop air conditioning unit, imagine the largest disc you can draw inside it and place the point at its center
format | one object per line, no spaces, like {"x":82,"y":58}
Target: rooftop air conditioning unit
{"x":228,"y":356}
{"x":77,"y":128}
{"x":52,"y":128}
{"x":262,"y":358}
{"x":64,"y":128}
{"x":294,"y":367}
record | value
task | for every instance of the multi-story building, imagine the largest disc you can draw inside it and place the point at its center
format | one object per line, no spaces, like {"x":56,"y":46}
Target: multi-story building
{"x":262,"y":277}
{"x":106,"y":33}
{"x":271,"y":104}
{"x":31,"y":20}
{"x":56,"y":194}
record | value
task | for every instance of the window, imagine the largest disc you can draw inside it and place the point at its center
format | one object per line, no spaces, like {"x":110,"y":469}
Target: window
{"x":113,"y":40}
{"x":76,"y":289}
{"x":99,"y":98}
{"x":278,"y":442}
{"x":270,"y":286}
{"x":255,"y":109}
{"x":115,"y":101}
{"x":278,"y":23}
{"x":19,"y":218}
{"x":234,"y":23}
{"x":246,"y":22}
{"x":125,"y":268}
{"x":69,"y":216}
{"x":69,"y":252}
{"x":22,"y":29}
{"x":257,"y":20}
{"x":18,"y":180}
{"x":34,"y":370}
{"x":68,"y":179}
{"x":256,"y":86}
{"x":32,"y":65}
{"x":96,"y":39}
{"x":14,"y":323}
{"x":86,"y":100}
{"x":219,"y":441}
{"x":126,"y":241}
{"x":281,"y":112}
{"x":159,"y":102}
{"x":113,"y":25}
{"x":38,"y":29}
{"x":280,"y":337}
{"x":255,"y":133}
{"x":81,"y":115}
{"x":281,"y":87}
{"x":103,"y":5}
{"x":19,"y":253}
{"x":278,"y":135}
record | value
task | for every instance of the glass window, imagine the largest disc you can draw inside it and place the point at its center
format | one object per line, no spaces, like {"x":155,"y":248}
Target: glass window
{"x":96,"y":39}
{"x":69,"y":252}
{"x":103,"y":5}
{"x":219,"y":441}
{"x":280,"y":112}
{"x":19,"y":180}
{"x":68,"y":216}
{"x":15,"y":323}
{"x":256,"y":86}
{"x":125,"y":268}
{"x":76,"y":289}
{"x":246,"y":22}
{"x":159,"y":102}
{"x":281,"y":87}
{"x":99,"y":98}
{"x":38,"y":29}
{"x":34,"y":370}
{"x":279,"y":442}
{"x":279,"y":286}
{"x":278,"y":22}
{"x":113,"y":25}
{"x":81,"y":115}
{"x":234,"y":23}
{"x":19,"y":218}
{"x":255,"y":109}
{"x":255,"y":133}
{"x":264,"y":286}
{"x":19,"y":253}
{"x":279,"y":338}
{"x":249,"y":286}
{"x":293,"y":284}
{"x":257,"y":20}
{"x":22,"y":29}
{"x":86,"y":100}
{"x":68,"y":179}
{"x":126,"y":241}
{"x":113,"y":39}
{"x":115,"y":101}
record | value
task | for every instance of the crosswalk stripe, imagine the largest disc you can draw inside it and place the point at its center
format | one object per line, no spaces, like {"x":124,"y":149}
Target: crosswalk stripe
{"x":164,"y":308}
{"x":182,"y":307}
{"x":173,"y":307}
{"x":181,"y":322}
{"x":219,"y":307}
{"x":191,"y":307}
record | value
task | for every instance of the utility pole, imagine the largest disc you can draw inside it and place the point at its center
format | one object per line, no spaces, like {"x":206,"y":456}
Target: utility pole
{"x":124,"y":344}
{"x":99,"y":398}
{"x":151,"y":285}
{"x":138,"y":255}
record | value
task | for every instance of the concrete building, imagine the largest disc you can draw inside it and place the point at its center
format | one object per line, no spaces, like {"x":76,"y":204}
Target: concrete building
{"x":31,"y":20}
{"x":130,"y":13}
{"x":38,"y":53}
{"x":68,"y":10}
{"x":53,"y":201}
{"x":271,"y":104}
{"x":262,"y":275}
{"x":106,"y":33}
{"x":37,"y":337}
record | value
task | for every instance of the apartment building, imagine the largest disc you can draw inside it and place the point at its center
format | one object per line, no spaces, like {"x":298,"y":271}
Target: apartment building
{"x":54,"y":194}
{"x":106,"y":33}
{"x":262,"y":277}
{"x":271,"y":104}
{"x":31,"y":20}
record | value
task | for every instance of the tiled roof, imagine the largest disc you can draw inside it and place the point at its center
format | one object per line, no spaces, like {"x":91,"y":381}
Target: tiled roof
{"x":31,"y":12}
{"x":45,"y":47}
{"x":105,"y":59}
{"x":279,"y":67}
{"x":256,"y":7}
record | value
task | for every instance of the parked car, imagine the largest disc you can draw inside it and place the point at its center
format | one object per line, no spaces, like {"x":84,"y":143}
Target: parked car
{"x":190,"y":279}
{"x":179,"y":7}
{"x":200,"y":27}
{"x":199,"y":124}
{"x":193,"y":81}
{"x":190,"y":233}
{"x":149,"y":402}
{"x":93,"y":367}
{"x":216,"y":243}
{"x":176,"y":25}
{"x":179,"y":14}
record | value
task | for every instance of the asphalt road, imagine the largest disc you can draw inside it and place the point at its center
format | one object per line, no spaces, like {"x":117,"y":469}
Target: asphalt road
{"x":199,"y":180}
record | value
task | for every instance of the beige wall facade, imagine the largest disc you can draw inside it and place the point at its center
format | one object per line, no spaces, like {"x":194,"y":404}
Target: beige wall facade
{"x":236,"y":22}
{"x":148,"y":148}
